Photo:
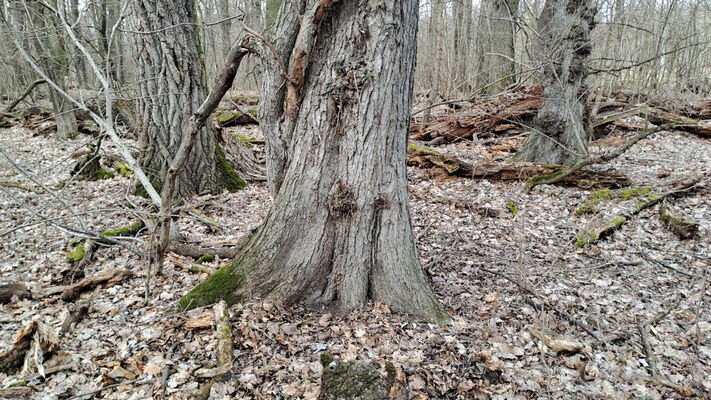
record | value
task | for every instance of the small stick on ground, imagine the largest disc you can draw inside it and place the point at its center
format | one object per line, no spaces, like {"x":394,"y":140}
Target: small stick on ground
{"x":225,"y":352}
{"x":76,"y":313}
{"x":526,"y":289}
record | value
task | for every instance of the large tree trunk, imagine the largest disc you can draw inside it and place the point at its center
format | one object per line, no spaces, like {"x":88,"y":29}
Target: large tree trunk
{"x":53,"y":59}
{"x":496,"y":69}
{"x":561,"y":128}
{"x":172,"y":86}
{"x":339,"y":232}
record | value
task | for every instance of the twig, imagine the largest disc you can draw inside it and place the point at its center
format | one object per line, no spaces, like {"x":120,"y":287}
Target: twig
{"x":140,"y":381}
{"x":526,"y":289}
{"x":270,"y":47}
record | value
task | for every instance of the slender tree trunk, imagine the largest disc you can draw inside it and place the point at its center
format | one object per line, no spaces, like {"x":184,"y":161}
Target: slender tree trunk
{"x":172,"y":88}
{"x":496,"y":69}
{"x":339,"y":232}
{"x":561,"y":128}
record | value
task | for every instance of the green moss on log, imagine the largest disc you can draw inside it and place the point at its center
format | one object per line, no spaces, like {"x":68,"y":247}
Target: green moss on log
{"x":595,"y":198}
{"x":76,"y":253}
{"x":222,"y":285}
{"x":680,"y":227}
{"x":632,"y":193}
{"x":512,"y":207}
{"x":123,"y":169}
{"x":126,"y":230}
{"x":205,"y":258}
{"x":227,"y":177}
{"x":542,"y":179}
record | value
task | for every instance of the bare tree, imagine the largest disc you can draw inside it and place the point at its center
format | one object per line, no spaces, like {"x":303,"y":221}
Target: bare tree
{"x":339,"y":231}
{"x":496,"y":67}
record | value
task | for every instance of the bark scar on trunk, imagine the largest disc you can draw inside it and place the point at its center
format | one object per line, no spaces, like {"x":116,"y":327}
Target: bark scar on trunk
{"x":341,"y":200}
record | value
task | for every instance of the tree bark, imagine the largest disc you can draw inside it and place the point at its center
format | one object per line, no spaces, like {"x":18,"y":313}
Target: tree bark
{"x":339,"y":232}
{"x":496,"y":69}
{"x":173,"y":85}
{"x":561,"y":129}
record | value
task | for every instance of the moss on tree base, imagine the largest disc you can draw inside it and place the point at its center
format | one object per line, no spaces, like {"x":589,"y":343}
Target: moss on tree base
{"x":227,"y":177}
{"x":222,"y":285}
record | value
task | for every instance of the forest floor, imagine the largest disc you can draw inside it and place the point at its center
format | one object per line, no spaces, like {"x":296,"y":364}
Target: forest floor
{"x":517,"y":288}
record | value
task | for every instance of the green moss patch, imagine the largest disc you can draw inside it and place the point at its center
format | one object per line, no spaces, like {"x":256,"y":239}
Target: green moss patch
{"x":222,"y":285}
{"x":123,"y":169}
{"x":76,"y":253}
{"x":512,"y":207}
{"x":206,"y":258}
{"x":630,"y":193}
{"x":227,"y":177}
{"x":127,"y":230}
{"x":589,"y":207}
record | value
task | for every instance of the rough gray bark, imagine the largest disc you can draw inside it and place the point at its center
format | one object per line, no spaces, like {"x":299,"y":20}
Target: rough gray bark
{"x":561,"y":128}
{"x":496,"y":69}
{"x":172,"y":87}
{"x":339,"y":232}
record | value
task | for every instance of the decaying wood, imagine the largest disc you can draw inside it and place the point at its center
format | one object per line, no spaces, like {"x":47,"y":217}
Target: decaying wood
{"x":76,"y":313}
{"x":195,"y":250}
{"x":17,"y":392}
{"x":35,"y":337}
{"x":506,"y":114}
{"x":566,"y":172}
{"x":425,"y":157}
{"x":600,"y":229}
{"x":108,"y":278}
{"x":658,"y":116}
{"x":683,"y":229}
{"x":225,"y":352}
{"x":10,"y":290}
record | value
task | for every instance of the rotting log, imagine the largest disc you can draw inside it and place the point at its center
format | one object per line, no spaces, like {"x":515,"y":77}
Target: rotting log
{"x":426,"y":157}
{"x":600,"y":229}
{"x":683,"y":229}
{"x":505,"y":114}
{"x":10,"y":290}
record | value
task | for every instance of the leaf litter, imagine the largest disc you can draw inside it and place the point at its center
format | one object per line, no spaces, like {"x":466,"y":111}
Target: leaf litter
{"x":518,"y":291}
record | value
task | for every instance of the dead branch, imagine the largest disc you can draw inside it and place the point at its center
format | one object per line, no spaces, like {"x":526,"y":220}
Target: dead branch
{"x":108,"y":278}
{"x":197,"y":121}
{"x":10,"y":290}
{"x":24,"y":94}
{"x":224,"y":350}
{"x":601,"y":229}
{"x":559,"y":175}
{"x":426,"y":157}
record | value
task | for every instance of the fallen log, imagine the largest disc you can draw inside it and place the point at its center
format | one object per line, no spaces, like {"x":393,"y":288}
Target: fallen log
{"x":426,"y":157}
{"x":225,"y":352}
{"x":658,"y":116}
{"x":602,"y":228}
{"x":505,"y":114}
{"x":108,"y":278}
{"x":10,"y":290}
{"x":680,"y":227}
